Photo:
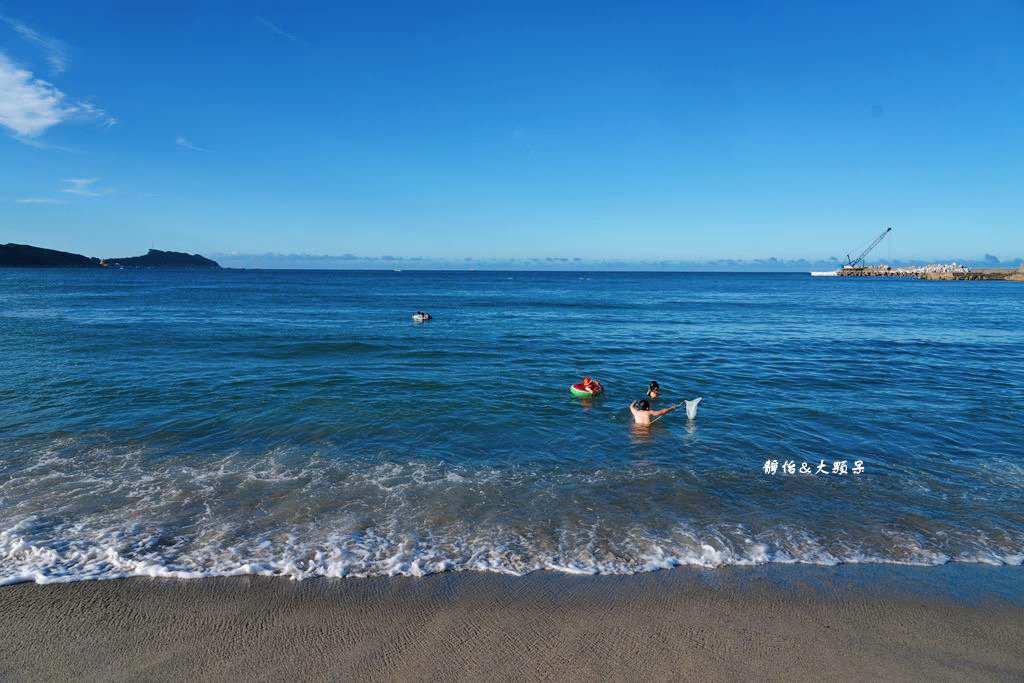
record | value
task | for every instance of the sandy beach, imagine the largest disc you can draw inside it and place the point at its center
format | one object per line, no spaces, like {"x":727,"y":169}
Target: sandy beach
{"x":784,"y":623}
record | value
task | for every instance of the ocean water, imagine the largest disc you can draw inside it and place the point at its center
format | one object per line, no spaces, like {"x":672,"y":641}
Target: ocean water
{"x":300,"y":424}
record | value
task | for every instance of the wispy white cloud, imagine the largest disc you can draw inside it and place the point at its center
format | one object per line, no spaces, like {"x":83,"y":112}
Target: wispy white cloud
{"x":55,"y":51}
{"x":39,"y":200}
{"x":187,"y":144}
{"x":89,"y":110}
{"x":41,"y":145}
{"x":29,"y":105}
{"x":84,"y":187}
{"x":278,"y":30}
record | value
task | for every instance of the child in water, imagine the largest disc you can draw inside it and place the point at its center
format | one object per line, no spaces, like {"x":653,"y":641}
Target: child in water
{"x":642,"y":412}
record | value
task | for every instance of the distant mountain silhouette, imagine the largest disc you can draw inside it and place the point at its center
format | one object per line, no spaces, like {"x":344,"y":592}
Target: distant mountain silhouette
{"x":163,"y":259}
{"x":26,"y":256}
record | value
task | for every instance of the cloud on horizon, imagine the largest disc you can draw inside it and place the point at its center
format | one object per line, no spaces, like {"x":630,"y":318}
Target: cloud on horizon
{"x":30,"y":106}
{"x":352,"y":261}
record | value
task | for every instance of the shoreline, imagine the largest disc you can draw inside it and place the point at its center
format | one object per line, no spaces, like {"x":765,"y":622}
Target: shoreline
{"x":849,"y":622}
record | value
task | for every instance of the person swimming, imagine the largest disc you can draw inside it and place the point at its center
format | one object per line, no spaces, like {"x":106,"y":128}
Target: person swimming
{"x":642,"y":412}
{"x":591,"y":385}
{"x":653,"y":390}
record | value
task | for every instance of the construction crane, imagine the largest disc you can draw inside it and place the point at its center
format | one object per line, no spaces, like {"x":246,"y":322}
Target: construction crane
{"x":859,"y":261}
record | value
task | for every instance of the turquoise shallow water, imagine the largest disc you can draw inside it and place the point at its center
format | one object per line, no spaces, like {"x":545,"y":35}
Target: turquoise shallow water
{"x":299,"y":423}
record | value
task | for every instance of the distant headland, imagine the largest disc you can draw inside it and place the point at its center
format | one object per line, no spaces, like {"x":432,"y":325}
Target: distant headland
{"x":26,"y":256}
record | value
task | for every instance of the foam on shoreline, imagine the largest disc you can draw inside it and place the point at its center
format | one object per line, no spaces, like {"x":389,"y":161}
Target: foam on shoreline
{"x":123,"y":555}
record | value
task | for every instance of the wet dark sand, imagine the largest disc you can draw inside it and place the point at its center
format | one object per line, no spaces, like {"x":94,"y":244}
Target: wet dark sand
{"x":780,"y":623}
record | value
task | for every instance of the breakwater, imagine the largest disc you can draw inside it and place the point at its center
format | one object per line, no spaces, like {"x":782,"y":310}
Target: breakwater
{"x":936,"y":271}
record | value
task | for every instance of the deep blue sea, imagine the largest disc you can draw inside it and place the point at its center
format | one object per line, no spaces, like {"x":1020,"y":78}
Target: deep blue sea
{"x":301,"y":424}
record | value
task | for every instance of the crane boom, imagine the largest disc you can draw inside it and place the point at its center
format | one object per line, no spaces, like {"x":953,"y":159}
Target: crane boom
{"x":853,"y":263}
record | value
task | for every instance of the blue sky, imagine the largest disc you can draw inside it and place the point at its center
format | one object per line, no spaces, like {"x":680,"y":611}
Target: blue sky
{"x":627,"y":132}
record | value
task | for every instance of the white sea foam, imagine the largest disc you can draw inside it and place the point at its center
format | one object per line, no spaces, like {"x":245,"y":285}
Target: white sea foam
{"x":112,"y":512}
{"x":379,"y":555}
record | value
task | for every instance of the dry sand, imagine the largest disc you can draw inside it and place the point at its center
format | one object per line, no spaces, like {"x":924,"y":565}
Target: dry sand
{"x":786,"y":623}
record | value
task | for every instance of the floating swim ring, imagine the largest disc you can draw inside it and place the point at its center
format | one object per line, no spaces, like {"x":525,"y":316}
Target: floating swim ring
{"x":578,"y":390}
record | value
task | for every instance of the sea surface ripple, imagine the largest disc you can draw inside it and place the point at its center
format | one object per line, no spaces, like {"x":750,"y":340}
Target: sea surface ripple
{"x":298,"y":423}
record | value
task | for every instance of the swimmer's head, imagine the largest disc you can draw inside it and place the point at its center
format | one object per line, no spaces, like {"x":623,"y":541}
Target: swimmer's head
{"x":643,"y":405}
{"x":653,"y":388}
